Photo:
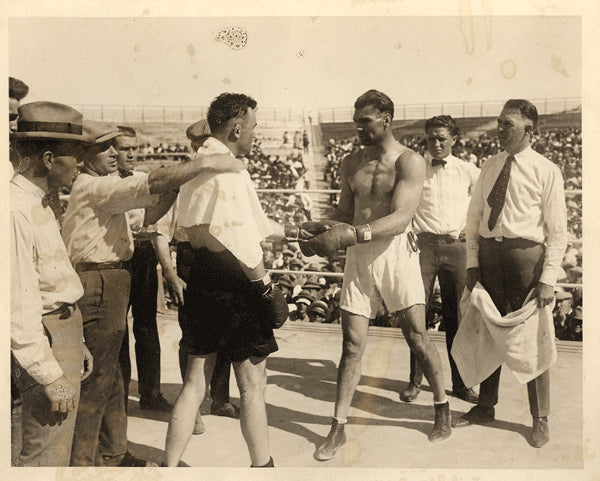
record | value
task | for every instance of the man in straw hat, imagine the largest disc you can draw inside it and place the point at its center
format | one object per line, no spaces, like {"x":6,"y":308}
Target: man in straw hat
{"x":47,"y":343}
{"x":100,"y":245}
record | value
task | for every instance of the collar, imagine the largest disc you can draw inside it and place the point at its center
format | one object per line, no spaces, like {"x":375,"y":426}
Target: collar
{"x":24,"y":183}
{"x":214,"y":146}
{"x":449,"y":159}
{"x":521,"y":155}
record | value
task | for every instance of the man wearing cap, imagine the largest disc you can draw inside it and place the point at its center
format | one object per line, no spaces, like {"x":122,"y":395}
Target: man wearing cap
{"x":318,"y":311}
{"x":302,"y":301}
{"x":149,"y":249}
{"x":50,"y":357}
{"x":439,"y":223}
{"x":516,"y":238}
{"x":100,"y":246}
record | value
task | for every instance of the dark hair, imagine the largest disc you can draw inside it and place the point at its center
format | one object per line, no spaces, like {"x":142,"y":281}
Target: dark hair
{"x":228,"y":106}
{"x":527,"y":109}
{"x":17,"y":89}
{"x":377,"y":99}
{"x":445,"y":121}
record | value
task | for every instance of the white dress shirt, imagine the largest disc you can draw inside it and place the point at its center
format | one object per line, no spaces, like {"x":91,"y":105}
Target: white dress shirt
{"x":228,"y":204}
{"x":534,"y":208}
{"x":445,"y":197}
{"x":95,"y":228}
{"x":41,"y":278}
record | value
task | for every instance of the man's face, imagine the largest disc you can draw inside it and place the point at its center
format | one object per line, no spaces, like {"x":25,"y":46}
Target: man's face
{"x":440,"y":142}
{"x":369,"y":123}
{"x":106,"y":162}
{"x":511,"y":130}
{"x":13,"y":113}
{"x":248,"y":124}
{"x":62,"y":172}
{"x":128,"y":149}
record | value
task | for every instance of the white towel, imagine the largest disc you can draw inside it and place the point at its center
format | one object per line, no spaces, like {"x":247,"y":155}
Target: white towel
{"x":229,"y":204}
{"x":523,"y":339}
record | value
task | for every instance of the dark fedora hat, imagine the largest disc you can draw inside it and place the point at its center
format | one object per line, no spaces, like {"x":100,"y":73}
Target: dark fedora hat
{"x":49,"y":120}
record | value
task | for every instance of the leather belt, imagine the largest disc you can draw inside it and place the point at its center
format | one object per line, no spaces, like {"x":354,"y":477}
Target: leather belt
{"x":439,"y":238}
{"x":65,"y":311}
{"x":99,"y":266}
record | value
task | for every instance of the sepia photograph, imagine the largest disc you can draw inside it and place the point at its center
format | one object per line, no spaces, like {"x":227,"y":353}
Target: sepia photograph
{"x":349,"y":240}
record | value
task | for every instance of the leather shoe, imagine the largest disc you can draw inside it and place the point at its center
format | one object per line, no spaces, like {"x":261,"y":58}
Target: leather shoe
{"x":335,"y":440}
{"x":155,"y":403}
{"x":228,"y":410}
{"x":466,"y":394}
{"x":129,"y":461}
{"x":410,"y":393}
{"x":441,"y":427}
{"x":540,"y":432}
{"x":477,"y":415}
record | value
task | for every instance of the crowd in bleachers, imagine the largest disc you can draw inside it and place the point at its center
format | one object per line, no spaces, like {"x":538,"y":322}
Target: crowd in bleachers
{"x":563,"y":147}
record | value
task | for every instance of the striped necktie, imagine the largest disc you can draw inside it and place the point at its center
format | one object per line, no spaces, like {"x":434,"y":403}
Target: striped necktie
{"x":498,"y":193}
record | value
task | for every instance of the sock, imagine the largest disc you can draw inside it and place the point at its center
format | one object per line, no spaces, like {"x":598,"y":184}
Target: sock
{"x":441,"y":402}
{"x":340,"y":421}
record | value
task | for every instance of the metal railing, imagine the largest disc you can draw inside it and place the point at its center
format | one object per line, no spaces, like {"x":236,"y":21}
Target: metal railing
{"x":456,"y":109}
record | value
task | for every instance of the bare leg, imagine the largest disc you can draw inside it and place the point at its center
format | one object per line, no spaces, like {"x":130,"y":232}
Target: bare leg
{"x":354,"y":329}
{"x":251,"y":377}
{"x":412,"y":322}
{"x":199,"y":370}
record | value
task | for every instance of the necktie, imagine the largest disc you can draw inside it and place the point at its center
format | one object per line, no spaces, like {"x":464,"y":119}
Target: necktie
{"x":436,"y":162}
{"x":52,"y":200}
{"x":498,"y":193}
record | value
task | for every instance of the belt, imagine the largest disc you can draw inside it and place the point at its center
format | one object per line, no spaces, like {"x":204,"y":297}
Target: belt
{"x":65,"y":311}
{"x":513,"y":241}
{"x":99,"y":266}
{"x":430,"y":237}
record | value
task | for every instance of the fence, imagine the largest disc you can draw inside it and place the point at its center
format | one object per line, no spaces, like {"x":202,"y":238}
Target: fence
{"x":172,"y":114}
{"x":457,"y":109}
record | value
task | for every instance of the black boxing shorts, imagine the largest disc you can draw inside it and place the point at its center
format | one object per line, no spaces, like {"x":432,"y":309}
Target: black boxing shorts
{"x":220,"y":312}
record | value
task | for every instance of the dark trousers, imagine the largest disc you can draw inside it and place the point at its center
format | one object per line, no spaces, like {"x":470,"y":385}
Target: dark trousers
{"x":444,"y":258}
{"x":509,"y":270}
{"x":219,"y":383}
{"x":142,"y":299}
{"x":101,"y":425}
{"x":47,"y":436}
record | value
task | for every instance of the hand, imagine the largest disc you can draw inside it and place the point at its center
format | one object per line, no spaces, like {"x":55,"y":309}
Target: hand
{"x":61,"y":395}
{"x":473,"y":277}
{"x":545,"y":294}
{"x":176,"y":287}
{"x":337,"y":237}
{"x":88,"y":362}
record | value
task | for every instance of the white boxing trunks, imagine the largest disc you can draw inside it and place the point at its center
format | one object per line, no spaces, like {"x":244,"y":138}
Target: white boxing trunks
{"x":385,"y":270}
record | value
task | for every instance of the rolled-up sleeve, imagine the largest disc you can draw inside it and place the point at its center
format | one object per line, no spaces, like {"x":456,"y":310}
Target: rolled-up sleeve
{"x":28,"y":341}
{"x":554,"y":214}
{"x":115,"y":195}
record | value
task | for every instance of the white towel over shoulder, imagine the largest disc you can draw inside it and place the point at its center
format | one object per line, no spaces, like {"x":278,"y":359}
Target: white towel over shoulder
{"x":229,"y":204}
{"x":523,"y":339}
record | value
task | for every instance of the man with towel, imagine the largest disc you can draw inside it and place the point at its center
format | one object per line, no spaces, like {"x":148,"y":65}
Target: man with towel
{"x":516,"y":238}
{"x":234,"y":303}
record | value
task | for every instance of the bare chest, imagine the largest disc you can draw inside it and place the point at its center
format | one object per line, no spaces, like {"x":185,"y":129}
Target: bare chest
{"x":373,"y":179}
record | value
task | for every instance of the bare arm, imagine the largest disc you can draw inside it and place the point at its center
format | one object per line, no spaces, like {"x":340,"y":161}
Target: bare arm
{"x":170,"y":178}
{"x":175,"y":284}
{"x":410,"y":169}
{"x":345,"y":209}
{"x":156,"y":212}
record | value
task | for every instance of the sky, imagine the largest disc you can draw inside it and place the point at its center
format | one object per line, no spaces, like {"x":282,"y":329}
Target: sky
{"x":296,"y":62}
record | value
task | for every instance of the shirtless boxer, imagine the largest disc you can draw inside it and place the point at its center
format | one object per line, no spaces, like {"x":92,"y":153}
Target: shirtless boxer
{"x":380,"y":191}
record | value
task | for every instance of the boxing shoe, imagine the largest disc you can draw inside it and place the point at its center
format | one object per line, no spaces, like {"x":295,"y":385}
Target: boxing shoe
{"x":410,"y":393}
{"x":441,"y":426}
{"x":477,"y":415}
{"x":466,"y":394}
{"x":540,"y":432}
{"x":335,"y":440}
{"x":269,"y":464}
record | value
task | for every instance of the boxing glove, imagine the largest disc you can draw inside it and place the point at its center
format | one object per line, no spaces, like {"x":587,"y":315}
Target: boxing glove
{"x":306,"y":230}
{"x":273,"y":303}
{"x":337,"y":237}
